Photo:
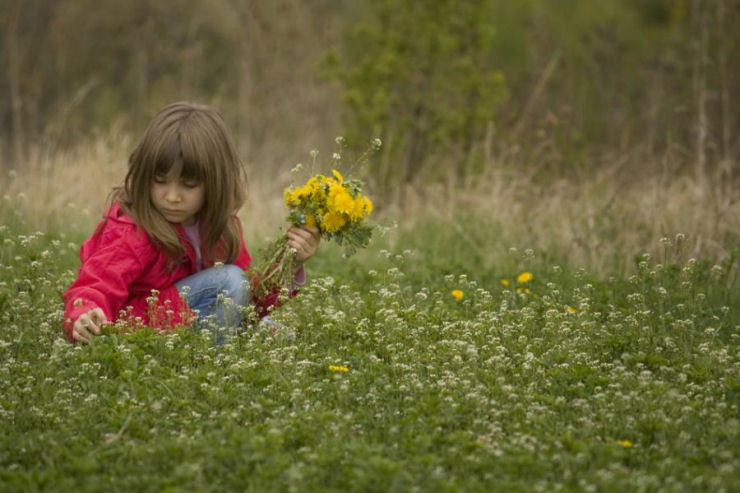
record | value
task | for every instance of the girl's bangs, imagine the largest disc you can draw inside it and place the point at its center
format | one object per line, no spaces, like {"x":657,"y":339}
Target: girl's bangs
{"x":172,"y":161}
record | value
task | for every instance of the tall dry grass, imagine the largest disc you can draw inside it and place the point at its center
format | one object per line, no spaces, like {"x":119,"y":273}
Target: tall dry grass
{"x":599,"y":222}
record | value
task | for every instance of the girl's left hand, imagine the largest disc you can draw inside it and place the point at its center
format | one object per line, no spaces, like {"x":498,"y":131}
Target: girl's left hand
{"x":305,"y":241}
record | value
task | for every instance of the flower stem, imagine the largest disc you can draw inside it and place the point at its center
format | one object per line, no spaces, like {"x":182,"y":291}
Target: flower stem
{"x":277,"y":272}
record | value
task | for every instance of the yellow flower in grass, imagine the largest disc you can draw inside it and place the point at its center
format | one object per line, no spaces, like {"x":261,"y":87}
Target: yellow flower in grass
{"x":524,"y":277}
{"x":625,"y":443}
{"x":332,"y":222}
{"x":338,"y":368}
{"x":457,"y":294}
{"x":505,"y":283}
{"x":571,"y":309}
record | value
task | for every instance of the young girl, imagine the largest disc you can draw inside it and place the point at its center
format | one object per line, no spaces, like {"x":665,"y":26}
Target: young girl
{"x":170,"y":248}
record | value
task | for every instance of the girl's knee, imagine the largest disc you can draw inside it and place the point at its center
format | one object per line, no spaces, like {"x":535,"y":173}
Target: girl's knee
{"x":234,"y":283}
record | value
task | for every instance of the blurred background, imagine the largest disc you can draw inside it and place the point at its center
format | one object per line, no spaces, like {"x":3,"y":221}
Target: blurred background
{"x":587,"y":128}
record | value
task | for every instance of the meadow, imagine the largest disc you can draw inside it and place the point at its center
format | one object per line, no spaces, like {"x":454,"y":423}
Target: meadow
{"x":550,"y":301}
{"x":442,"y":358}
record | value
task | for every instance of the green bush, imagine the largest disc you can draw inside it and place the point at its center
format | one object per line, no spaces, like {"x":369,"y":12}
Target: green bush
{"x":424,"y":73}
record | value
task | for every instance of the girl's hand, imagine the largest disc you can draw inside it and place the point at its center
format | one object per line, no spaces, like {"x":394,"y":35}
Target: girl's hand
{"x":305,"y":241}
{"x":88,"y":323}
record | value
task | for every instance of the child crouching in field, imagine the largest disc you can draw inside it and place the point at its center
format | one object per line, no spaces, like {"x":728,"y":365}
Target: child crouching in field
{"x":172,"y":227}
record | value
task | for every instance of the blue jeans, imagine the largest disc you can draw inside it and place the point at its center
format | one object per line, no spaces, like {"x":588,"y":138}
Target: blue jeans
{"x":216,"y":295}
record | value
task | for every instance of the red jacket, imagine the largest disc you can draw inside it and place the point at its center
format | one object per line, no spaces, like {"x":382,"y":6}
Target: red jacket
{"x":120,"y":268}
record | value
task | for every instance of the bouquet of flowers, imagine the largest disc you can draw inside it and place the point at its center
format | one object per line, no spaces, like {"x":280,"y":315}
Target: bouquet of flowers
{"x":330,"y":202}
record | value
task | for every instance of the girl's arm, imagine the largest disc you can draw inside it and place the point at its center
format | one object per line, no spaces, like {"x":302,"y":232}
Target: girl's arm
{"x":305,"y":240}
{"x":88,"y":324}
{"x":102,"y":284}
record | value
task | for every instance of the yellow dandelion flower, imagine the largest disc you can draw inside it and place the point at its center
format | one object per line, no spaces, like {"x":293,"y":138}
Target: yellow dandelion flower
{"x":457,"y":294}
{"x":335,"y":189}
{"x":571,"y":309}
{"x":337,"y":175}
{"x":332,"y":222}
{"x":315,"y":188}
{"x":289,"y":198}
{"x":338,"y":368}
{"x":310,"y":220}
{"x":524,"y":277}
{"x":293,"y":197}
{"x":505,"y":283}
{"x":341,"y":200}
{"x":314,"y":182}
{"x":625,"y":443}
{"x":358,"y":210}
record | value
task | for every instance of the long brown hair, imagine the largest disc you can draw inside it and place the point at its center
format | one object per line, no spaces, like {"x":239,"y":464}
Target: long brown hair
{"x":191,"y":141}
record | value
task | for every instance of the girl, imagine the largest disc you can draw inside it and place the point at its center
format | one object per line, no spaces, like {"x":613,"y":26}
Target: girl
{"x":170,"y":248}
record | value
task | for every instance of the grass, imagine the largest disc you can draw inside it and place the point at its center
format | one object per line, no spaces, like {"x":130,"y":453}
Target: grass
{"x":624,"y":381}
{"x":598,"y":221}
{"x":615,"y":368}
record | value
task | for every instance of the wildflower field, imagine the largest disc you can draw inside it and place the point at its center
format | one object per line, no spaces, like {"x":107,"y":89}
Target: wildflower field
{"x":414,"y":367}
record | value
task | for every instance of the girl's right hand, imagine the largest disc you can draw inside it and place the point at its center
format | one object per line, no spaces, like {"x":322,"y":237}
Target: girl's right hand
{"x":88,"y":323}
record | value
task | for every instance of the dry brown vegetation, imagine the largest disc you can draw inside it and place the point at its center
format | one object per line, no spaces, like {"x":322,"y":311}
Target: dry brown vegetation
{"x":649,"y":83}
{"x":599,"y":222}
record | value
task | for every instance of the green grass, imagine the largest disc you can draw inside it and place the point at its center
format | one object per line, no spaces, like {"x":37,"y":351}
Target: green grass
{"x":499,"y":391}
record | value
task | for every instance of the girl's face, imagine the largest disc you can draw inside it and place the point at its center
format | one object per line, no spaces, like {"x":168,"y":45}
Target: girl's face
{"x":178,"y":200}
